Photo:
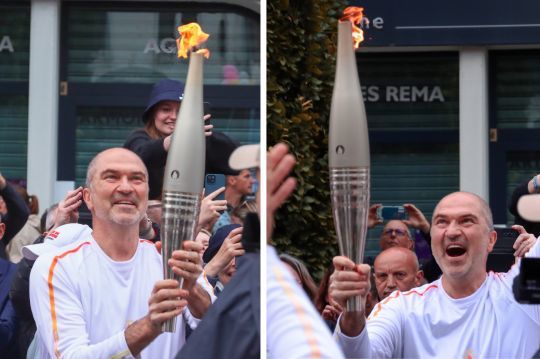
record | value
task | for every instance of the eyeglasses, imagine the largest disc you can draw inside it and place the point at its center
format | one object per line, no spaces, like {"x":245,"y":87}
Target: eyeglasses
{"x":399,"y":232}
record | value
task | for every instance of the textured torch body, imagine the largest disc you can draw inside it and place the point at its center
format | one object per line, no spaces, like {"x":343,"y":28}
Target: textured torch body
{"x":348,"y":152}
{"x":184,"y":172}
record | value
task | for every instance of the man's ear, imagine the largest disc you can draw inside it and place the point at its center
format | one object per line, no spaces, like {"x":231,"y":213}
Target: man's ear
{"x":87,"y":199}
{"x":2,"y":230}
{"x":492,"y":240}
{"x":419,"y":278}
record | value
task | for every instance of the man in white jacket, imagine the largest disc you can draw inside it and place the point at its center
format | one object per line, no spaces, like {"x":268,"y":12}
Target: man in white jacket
{"x":104,"y":295}
{"x":466,"y":313}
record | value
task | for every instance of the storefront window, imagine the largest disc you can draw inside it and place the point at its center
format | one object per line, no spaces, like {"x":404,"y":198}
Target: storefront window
{"x":107,"y":44}
{"x":14,"y":69}
{"x":412,"y":105}
{"x":516,"y":97}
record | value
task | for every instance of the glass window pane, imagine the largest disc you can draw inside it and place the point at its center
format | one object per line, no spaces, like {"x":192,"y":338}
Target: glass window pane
{"x":516,"y":90}
{"x":13,"y":136}
{"x":417,"y":174}
{"x":109,"y":45}
{"x":14,"y":42}
{"x":410,"y":92}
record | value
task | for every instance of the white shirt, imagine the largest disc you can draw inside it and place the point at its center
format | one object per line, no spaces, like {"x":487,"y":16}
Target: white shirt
{"x":294,"y":329}
{"x":92,"y":299}
{"x":426,"y":322}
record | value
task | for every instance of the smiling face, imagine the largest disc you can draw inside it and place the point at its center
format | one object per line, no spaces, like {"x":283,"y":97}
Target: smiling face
{"x":462,"y":236}
{"x":117,"y":188}
{"x":164,"y":114}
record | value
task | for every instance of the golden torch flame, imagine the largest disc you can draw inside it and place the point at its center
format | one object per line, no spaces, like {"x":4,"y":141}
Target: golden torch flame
{"x":191,"y":37}
{"x":355,"y":15}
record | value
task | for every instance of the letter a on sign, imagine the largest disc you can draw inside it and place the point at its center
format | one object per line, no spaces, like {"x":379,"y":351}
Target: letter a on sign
{"x":5,"y":44}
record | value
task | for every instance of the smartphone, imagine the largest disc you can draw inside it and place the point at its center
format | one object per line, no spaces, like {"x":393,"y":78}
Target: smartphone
{"x":501,"y":258}
{"x":391,"y":212}
{"x":212,"y":182}
{"x":206,"y":108}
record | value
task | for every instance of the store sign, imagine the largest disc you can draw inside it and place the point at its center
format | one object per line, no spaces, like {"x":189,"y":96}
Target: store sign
{"x":6,"y":45}
{"x":457,"y":22}
{"x":403,"y":94}
{"x":158,"y":46}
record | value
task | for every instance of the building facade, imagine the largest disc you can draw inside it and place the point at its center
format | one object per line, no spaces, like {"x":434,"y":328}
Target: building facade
{"x":452,"y":100}
{"x":75,"y":78}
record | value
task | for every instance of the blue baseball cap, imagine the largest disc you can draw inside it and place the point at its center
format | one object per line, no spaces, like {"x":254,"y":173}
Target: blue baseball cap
{"x":164,"y":90}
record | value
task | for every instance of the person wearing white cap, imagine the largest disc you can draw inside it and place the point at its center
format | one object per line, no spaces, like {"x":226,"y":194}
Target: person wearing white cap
{"x":104,"y":296}
{"x":466,"y":313}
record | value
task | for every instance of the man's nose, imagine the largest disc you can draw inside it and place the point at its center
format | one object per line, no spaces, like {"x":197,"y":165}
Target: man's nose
{"x":390,"y":282}
{"x":453,"y":229}
{"x":125,"y":185}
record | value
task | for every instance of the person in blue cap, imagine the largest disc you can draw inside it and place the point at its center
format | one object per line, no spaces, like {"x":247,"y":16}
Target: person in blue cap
{"x":152,"y":142}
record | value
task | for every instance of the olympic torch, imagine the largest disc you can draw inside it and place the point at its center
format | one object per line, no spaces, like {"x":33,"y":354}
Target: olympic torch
{"x":348,"y":153}
{"x":184,"y":171}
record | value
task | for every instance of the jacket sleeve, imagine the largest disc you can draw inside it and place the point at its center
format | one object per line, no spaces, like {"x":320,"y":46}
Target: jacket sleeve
{"x":521,"y":190}
{"x":17,"y":215}
{"x":149,"y":150}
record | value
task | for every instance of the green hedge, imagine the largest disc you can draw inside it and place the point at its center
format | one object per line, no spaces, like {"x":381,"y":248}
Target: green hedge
{"x":301,"y":47}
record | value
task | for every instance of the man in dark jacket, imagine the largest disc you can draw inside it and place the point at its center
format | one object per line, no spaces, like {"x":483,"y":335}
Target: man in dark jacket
{"x":8,"y":318}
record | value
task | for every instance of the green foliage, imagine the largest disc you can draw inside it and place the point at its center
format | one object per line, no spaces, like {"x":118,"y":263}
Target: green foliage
{"x":301,"y":48}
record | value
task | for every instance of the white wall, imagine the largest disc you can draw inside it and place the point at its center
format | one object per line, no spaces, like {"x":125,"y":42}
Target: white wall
{"x":473,"y":122}
{"x":43,"y":99}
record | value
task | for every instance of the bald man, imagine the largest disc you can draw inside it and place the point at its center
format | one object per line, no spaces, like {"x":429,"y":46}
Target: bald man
{"x":104,"y":296}
{"x":397,"y":268}
{"x":465,"y":313}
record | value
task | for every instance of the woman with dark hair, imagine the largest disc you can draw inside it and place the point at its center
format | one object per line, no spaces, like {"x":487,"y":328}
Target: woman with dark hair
{"x":300,"y":273}
{"x":152,"y":142}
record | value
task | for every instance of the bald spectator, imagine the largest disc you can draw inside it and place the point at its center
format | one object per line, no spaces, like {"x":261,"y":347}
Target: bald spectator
{"x":397,"y":233}
{"x":397,"y":268}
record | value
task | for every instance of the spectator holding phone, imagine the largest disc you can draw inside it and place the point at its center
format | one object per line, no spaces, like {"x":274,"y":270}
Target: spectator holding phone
{"x":236,"y":189}
{"x":152,"y":142}
{"x":397,"y":232}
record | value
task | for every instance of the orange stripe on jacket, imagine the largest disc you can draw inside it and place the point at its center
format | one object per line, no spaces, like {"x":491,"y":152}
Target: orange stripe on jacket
{"x":312,"y":342}
{"x":398,"y":293}
{"x":51,"y":295}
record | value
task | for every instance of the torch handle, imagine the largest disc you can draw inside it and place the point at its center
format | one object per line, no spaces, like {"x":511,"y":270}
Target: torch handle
{"x":349,"y":190}
{"x":179,"y":221}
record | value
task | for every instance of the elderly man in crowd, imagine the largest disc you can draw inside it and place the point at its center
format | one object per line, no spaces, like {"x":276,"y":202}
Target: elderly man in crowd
{"x":396,"y":268}
{"x":104,"y":295}
{"x":465,"y":313}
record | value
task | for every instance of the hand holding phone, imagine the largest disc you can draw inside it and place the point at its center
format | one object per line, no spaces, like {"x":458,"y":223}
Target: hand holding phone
{"x":212,"y":182}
